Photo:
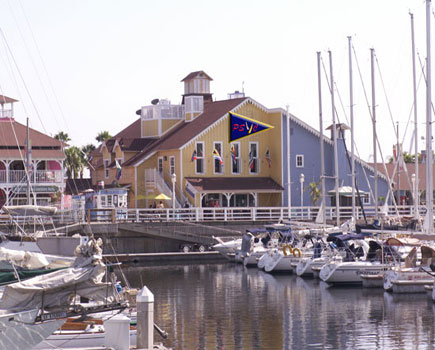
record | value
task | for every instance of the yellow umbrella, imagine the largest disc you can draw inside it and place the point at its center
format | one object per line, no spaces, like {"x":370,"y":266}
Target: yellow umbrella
{"x":162,"y":196}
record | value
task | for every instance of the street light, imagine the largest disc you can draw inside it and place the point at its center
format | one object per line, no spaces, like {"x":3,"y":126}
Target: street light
{"x":302,"y":179}
{"x":174,"y":180}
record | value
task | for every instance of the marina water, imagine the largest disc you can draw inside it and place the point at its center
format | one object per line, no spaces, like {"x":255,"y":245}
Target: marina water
{"x":227,"y":306}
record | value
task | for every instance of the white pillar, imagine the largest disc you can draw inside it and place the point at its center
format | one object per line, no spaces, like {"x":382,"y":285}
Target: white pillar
{"x":145,"y":319}
{"x":117,"y":332}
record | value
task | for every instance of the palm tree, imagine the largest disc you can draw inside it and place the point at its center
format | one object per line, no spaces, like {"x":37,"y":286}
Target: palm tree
{"x":85,"y":153}
{"x":313,"y":187}
{"x":103,"y":136}
{"x":73,"y":162}
{"x":62,"y":136}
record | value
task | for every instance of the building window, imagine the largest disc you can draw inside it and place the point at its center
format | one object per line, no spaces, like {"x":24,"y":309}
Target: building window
{"x":299,"y":161}
{"x":106,"y":168}
{"x":172,"y":165}
{"x":199,"y":154}
{"x":253,"y":158}
{"x":160,"y":165}
{"x":218,"y":166}
{"x":366,"y":199}
{"x":235,"y":158}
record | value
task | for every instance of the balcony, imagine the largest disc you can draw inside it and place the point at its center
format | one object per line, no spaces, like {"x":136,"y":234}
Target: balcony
{"x":6,"y":113}
{"x":164,"y":110}
{"x":39,"y":176}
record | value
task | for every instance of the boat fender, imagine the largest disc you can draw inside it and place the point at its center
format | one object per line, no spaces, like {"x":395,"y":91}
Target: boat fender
{"x":297,"y":250}
{"x":289,"y":248}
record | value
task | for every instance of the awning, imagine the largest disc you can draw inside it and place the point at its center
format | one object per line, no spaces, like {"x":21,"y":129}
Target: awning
{"x":346,"y":191}
{"x":234,"y":184}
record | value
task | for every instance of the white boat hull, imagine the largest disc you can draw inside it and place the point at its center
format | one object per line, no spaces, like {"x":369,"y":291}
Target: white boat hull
{"x":347,"y":272}
{"x":406,"y":281}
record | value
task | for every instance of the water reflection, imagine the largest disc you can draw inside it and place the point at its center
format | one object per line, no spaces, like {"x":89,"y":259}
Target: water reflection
{"x":226,"y":306}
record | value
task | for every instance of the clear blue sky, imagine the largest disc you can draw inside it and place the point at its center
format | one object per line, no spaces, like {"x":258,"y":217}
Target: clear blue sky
{"x":106,"y":59}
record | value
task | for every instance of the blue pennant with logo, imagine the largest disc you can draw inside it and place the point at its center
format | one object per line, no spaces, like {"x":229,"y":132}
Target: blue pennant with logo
{"x":241,"y":127}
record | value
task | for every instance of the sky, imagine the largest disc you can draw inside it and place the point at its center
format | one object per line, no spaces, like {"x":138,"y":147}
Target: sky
{"x":86,"y":66}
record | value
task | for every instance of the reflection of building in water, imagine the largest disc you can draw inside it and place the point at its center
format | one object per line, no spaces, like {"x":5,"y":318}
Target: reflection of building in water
{"x":229,"y":307}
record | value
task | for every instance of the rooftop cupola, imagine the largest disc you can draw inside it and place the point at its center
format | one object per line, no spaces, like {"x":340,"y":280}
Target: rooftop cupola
{"x":6,"y":107}
{"x":196,"y":93}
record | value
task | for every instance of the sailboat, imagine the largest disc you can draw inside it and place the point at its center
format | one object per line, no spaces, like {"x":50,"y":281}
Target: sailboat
{"x":45,"y":302}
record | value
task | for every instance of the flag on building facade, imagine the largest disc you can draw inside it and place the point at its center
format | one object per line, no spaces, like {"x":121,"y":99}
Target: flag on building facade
{"x":193,"y":156}
{"x":269,"y":160}
{"x":217,"y":156}
{"x":233,"y":154}
{"x":251,"y":160}
{"x":118,"y":170}
{"x":241,"y":126}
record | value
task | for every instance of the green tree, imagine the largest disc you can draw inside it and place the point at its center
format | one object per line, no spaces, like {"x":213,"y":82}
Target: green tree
{"x":314,"y":191}
{"x":86,"y":156}
{"x":73,"y":162}
{"x":103,"y":136}
{"x":62,"y":136}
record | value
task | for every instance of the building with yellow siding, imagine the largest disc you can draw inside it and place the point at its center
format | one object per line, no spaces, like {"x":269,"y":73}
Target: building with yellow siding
{"x":185,"y":149}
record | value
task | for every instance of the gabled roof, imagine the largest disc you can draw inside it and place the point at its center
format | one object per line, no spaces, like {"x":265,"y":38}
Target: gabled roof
{"x":200,"y":73}
{"x":13,"y":135}
{"x":132,"y":131}
{"x":186,"y":131}
{"x":5,"y":99}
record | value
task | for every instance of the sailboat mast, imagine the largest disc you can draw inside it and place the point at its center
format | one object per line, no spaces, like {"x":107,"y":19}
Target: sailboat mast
{"x":416,"y":194}
{"x":28,"y":163}
{"x":322,"y":150}
{"x":289,"y":195}
{"x":352,"y":147}
{"x":414,"y":81}
{"x":375,"y":160}
{"x":429,"y":161}
{"x":334,"y":136}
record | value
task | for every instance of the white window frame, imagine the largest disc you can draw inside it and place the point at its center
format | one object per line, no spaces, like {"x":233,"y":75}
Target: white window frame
{"x":238,"y":159}
{"x":160,"y":163}
{"x":366,"y":199}
{"x":301,"y":157}
{"x":257,"y":162}
{"x":200,"y":158}
{"x":221,"y":166}
{"x":171,"y":165}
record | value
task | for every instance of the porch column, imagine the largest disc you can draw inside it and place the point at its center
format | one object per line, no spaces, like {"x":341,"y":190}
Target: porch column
{"x":7,"y":163}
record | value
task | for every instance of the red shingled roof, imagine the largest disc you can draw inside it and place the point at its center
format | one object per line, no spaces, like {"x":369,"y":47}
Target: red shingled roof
{"x":195,"y":74}
{"x":5,"y":99}
{"x":14,"y":134}
{"x":186,"y":131}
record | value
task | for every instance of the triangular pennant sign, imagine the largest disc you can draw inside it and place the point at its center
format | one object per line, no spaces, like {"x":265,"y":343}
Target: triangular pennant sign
{"x":241,"y":127}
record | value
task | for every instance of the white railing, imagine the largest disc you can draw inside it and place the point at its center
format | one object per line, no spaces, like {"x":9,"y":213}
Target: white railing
{"x":273,"y":214}
{"x":163,"y":111}
{"x":39,"y":176}
{"x":6,"y":113}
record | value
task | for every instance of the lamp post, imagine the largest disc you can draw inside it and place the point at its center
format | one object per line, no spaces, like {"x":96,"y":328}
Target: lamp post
{"x":302,"y":179}
{"x":174,"y":180}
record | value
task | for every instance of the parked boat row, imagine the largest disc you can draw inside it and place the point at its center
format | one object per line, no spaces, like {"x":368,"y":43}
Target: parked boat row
{"x":397,"y":262}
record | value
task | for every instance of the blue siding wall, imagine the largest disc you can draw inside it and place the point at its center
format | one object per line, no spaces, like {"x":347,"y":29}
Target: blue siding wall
{"x":306,"y":143}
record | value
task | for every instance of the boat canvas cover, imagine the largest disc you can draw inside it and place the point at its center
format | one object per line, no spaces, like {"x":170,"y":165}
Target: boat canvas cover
{"x":55,"y":290}
{"x":18,"y":330}
{"x":29,"y":210}
{"x":24,"y":259}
